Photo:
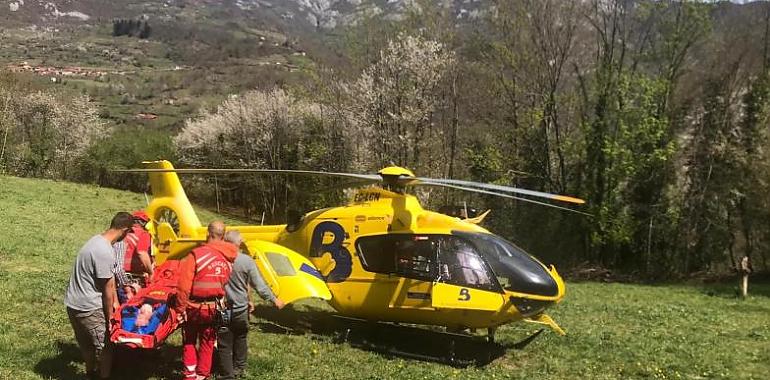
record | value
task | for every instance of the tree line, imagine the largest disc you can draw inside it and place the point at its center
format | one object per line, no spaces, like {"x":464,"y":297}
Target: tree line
{"x":133,"y":28}
{"x":656,"y":113}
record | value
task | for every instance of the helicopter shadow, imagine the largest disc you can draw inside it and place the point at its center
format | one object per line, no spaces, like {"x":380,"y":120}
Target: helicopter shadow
{"x":386,"y":339}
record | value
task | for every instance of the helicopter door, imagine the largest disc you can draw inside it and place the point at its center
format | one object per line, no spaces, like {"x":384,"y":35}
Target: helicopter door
{"x":412,"y":294}
{"x":464,"y":280}
{"x":448,"y":296}
{"x":290,"y":275}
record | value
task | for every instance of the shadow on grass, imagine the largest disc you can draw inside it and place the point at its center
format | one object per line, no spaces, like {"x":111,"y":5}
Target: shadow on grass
{"x":127,"y":363}
{"x":388,"y":340}
{"x":62,"y":366}
{"x":759,"y":288}
{"x":164,"y":362}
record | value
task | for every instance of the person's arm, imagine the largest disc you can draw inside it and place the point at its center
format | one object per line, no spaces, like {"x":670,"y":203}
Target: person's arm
{"x":107,"y":286}
{"x":144,"y":258}
{"x":115,"y":298}
{"x":186,"y":273}
{"x":143,"y":250}
{"x":258,"y":284}
{"x":104,"y":278}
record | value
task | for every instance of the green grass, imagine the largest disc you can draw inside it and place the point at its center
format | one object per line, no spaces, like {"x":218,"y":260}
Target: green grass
{"x":615,"y":331}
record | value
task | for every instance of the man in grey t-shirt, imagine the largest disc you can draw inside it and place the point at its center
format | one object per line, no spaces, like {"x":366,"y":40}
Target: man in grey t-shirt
{"x":232,"y":348}
{"x":90,"y":295}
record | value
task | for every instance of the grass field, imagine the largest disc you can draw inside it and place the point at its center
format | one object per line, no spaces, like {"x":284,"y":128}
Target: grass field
{"x":615,"y":331}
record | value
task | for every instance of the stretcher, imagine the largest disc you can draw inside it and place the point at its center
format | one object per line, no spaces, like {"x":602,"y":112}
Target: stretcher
{"x":160,"y":295}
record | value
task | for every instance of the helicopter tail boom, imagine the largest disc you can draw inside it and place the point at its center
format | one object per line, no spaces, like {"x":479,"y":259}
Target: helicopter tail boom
{"x":170,"y":211}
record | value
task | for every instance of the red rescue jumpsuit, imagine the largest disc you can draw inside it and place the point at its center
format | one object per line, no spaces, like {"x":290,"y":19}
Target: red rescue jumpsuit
{"x":138,"y":239}
{"x":203,"y":274}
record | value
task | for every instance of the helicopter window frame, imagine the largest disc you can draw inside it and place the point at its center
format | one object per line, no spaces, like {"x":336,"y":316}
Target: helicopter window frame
{"x":427,"y":266}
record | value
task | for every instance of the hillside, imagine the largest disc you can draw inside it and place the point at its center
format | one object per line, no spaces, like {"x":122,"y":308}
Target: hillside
{"x":191,"y":57}
{"x":198,"y":52}
{"x":614,"y":330}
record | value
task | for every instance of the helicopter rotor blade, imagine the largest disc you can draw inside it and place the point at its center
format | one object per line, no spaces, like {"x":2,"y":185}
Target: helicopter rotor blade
{"x":476,"y":187}
{"x":505,"y":189}
{"x":481,"y":191}
{"x":364,"y":177}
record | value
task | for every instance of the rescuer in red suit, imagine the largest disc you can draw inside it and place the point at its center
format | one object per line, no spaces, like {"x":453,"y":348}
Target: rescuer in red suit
{"x":138,"y":242}
{"x":201,"y":289}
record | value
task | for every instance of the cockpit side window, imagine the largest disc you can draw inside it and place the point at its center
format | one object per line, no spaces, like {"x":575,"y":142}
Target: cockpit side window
{"x":443,"y":258}
{"x":411,"y":256}
{"x":460,"y":264}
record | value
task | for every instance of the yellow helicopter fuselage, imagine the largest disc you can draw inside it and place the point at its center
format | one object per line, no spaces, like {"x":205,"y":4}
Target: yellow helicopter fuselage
{"x":382,"y":257}
{"x":361,"y":293}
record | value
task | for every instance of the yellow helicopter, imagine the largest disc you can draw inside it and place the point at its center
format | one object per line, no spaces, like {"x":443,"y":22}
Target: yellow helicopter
{"x":382,"y":257}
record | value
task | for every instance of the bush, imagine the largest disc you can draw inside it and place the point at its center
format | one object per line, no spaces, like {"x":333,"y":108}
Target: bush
{"x":126,"y":148}
{"x":44,"y":134}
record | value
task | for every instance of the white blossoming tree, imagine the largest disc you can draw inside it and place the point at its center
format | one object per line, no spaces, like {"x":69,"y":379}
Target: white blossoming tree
{"x":44,"y":134}
{"x":395,"y":101}
{"x":259,"y":129}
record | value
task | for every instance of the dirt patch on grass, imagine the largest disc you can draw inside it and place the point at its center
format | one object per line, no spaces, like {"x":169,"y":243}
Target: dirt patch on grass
{"x":596,"y":273}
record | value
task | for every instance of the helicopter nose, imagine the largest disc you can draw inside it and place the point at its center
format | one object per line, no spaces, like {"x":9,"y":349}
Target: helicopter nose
{"x":538,"y":281}
{"x":544,"y":289}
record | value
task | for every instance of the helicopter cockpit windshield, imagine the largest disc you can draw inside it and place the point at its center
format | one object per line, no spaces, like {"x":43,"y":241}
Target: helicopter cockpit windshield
{"x":481,"y":261}
{"x":514,"y":268}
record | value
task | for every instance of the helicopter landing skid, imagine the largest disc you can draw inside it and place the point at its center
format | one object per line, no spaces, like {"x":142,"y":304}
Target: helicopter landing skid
{"x":454,"y":348}
{"x":545,"y":319}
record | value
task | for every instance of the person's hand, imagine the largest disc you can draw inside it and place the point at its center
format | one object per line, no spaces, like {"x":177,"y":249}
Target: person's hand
{"x":115,"y":306}
{"x":251,"y":307}
{"x":279,"y":304}
{"x":181,"y":317}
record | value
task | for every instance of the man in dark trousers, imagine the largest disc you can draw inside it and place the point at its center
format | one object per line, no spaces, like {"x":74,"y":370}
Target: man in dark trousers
{"x":202,"y":277}
{"x":90,"y":296}
{"x":232,"y":347}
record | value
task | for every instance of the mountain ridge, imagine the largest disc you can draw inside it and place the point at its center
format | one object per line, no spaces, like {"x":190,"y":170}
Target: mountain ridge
{"x":290,"y":14}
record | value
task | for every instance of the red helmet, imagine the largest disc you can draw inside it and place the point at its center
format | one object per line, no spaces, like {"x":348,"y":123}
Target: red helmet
{"x":141,"y":215}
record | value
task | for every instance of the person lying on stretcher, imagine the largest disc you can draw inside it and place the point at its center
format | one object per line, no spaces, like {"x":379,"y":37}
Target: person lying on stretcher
{"x":144,"y":319}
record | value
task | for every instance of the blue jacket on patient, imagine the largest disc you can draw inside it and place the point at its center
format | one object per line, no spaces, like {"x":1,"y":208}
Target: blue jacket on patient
{"x":128,"y":319}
